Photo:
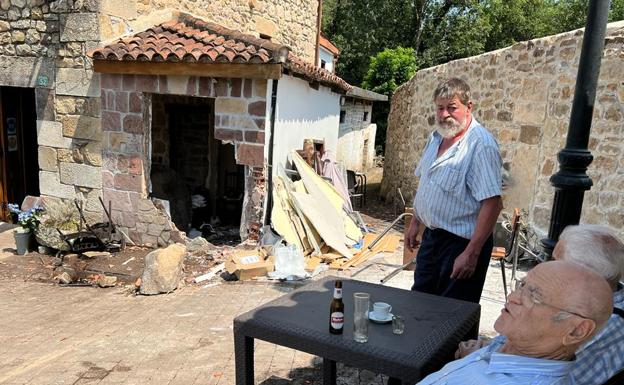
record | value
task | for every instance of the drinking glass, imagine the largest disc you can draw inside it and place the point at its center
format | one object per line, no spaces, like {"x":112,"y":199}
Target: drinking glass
{"x":398,"y":324}
{"x":361,"y":303}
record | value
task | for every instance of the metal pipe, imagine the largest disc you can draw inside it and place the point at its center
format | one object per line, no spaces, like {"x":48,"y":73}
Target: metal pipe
{"x":374,"y":242}
{"x":571,"y":181}
{"x":396,"y":271}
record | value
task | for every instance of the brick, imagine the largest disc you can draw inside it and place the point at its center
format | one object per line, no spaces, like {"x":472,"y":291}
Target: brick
{"x":128,"y":83}
{"x":128,"y":182}
{"x":111,"y":81}
{"x":260,"y":123}
{"x":257,"y":108}
{"x":121,"y":101}
{"x":135,"y":102}
{"x":146,"y":83}
{"x":250,"y":154}
{"x":228,"y":135}
{"x":120,"y":199}
{"x":221,"y":88}
{"x":247,"y":88}
{"x":254,"y":136}
{"x":130,"y":164}
{"x":111,"y":121}
{"x":236,"y":87}
{"x":133,"y":124}
{"x":205,"y":86}
{"x":108,"y":179}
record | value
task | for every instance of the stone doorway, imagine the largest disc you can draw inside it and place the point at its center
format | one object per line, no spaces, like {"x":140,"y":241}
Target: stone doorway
{"x":196,"y":173}
{"x":19,"y":171}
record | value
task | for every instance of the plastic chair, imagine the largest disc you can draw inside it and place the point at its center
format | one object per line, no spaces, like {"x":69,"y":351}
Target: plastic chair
{"x":503,"y":253}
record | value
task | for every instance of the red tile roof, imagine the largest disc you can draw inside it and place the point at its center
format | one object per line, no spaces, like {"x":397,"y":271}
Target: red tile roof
{"x":328,"y":45}
{"x":188,"y":39}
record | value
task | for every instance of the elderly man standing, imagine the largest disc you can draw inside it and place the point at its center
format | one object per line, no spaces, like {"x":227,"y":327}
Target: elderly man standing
{"x":557,"y":308}
{"x":458,"y":199}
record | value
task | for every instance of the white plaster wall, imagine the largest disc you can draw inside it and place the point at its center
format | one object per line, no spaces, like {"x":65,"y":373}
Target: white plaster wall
{"x":351,"y":150}
{"x":328,"y":57}
{"x":304,"y":113}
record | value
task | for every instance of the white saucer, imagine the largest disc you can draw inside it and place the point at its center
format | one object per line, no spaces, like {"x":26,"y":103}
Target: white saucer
{"x":375,"y":318}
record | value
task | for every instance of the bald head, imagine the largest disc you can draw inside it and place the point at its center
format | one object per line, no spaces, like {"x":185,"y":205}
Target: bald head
{"x":560,"y":306}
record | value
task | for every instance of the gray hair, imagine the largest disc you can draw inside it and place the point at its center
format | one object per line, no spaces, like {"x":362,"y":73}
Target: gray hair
{"x":453,"y":87}
{"x":597,"y":248}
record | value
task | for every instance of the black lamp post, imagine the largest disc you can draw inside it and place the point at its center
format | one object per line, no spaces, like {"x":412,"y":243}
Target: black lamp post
{"x":571,"y":181}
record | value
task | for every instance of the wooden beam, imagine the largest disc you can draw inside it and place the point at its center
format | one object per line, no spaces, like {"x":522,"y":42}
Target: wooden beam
{"x":216,"y":70}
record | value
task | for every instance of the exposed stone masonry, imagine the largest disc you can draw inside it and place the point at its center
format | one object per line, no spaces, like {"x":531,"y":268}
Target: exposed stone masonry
{"x":523,"y":95}
{"x":126,"y":124}
{"x":355,"y":131}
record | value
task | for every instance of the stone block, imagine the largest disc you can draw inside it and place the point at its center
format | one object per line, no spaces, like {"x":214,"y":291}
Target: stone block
{"x":82,"y":127}
{"x":133,"y":124}
{"x":47,"y":159}
{"x":50,"y":184}
{"x":230,"y":106}
{"x":247,"y":88}
{"x":257,"y":108}
{"x":228,"y":135}
{"x":260,"y":88}
{"x":264,"y":26}
{"x":177,"y":84}
{"x":44,"y":101}
{"x":250,"y":154}
{"x":77,"y":82}
{"x":530,"y":134}
{"x":121,"y":101}
{"x":147,"y":83}
{"x":135,"y":102}
{"x":119,"y":199}
{"x":79,"y":27}
{"x":163,"y":268}
{"x":111,"y":121}
{"x":221,"y":87}
{"x":205,"y":86}
{"x":26,"y":71}
{"x":254,"y":136}
{"x":108,"y":180}
{"x":81,"y":175}
{"x":242,"y":122}
{"x":236,"y":87}
{"x":126,"y":182}
{"x":92,"y":153}
{"x":51,"y":134}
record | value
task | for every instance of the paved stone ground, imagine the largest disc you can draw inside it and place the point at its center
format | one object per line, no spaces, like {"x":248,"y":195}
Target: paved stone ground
{"x":77,"y":335}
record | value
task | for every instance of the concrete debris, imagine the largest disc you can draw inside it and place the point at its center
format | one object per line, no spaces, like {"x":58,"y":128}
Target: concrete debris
{"x":199,"y":243}
{"x":96,"y":254}
{"x":163,"y":270}
{"x":211,"y":274}
{"x":106,"y":281}
{"x":65,"y":275}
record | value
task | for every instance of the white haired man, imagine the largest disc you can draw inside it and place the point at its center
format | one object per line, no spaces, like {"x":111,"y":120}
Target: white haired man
{"x":597,"y":248}
{"x":556,"y":309}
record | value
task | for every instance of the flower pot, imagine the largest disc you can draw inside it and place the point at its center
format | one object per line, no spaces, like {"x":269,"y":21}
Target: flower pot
{"x":22,"y":241}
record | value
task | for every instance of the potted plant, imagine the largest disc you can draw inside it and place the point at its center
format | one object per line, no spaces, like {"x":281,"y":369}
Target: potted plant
{"x":29,"y":221}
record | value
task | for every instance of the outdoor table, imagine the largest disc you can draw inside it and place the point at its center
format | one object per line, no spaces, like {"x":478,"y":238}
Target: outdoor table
{"x":300,"y":320}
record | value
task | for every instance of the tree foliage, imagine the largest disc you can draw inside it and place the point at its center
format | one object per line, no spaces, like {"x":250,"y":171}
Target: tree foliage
{"x":390,"y":68}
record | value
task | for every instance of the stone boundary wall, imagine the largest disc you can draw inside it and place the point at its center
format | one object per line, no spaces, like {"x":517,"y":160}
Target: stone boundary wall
{"x":126,"y":124}
{"x":43,"y":46}
{"x":288,"y":22}
{"x":523,"y":95}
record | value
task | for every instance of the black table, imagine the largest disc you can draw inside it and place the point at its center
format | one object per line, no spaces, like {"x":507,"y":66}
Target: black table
{"x":300,"y":320}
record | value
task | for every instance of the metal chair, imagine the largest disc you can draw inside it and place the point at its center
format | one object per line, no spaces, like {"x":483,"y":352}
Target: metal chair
{"x":502,"y":253}
{"x":356,"y":185}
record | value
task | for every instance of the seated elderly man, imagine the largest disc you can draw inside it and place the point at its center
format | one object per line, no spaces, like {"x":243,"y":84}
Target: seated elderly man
{"x":555,"y":309}
{"x":597,"y":248}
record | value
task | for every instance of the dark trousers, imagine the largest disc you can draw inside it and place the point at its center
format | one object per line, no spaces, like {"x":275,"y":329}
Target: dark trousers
{"x":434,"y":265}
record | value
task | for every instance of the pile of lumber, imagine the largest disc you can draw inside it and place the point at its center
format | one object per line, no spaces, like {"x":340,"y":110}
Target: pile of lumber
{"x":309,"y":213}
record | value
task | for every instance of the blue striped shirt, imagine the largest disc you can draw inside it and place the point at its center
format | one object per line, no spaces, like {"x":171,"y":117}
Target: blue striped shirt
{"x":488,"y":367}
{"x":452,"y":186}
{"x":603,"y":355}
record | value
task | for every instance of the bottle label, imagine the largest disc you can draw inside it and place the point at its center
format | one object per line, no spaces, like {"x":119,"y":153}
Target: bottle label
{"x":337,"y":292}
{"x":337,"y":320}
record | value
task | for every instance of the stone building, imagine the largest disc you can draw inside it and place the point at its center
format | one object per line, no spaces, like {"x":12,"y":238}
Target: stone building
{"x":523,"y":95}
{"x":141,"y":103}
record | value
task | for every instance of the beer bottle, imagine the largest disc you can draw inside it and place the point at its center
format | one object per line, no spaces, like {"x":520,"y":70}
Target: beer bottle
{"x":336,"y":310}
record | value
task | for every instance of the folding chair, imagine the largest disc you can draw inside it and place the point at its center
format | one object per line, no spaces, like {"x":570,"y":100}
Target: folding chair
{"x":503,"y":253}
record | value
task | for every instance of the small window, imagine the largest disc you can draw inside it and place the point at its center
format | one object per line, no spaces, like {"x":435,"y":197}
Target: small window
{"x":365,"y":116}
{"x":323,"y":63}
{"x":343,"y":115}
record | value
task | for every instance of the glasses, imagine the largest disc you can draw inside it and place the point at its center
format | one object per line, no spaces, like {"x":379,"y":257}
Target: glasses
{"x":529,"y":298}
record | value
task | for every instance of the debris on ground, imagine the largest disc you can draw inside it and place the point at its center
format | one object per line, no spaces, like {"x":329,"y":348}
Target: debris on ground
{"x":163,"y":270}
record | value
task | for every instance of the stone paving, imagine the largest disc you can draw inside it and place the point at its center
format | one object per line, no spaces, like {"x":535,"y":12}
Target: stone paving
{"x":71,"y":335}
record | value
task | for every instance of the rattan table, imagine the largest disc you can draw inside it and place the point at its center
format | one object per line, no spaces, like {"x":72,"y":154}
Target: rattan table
{"x":299,"y":320}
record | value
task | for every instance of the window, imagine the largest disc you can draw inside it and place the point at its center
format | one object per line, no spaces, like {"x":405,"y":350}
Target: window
{"x":343,"y":115}
{"x":323,"y":63}
{"x":365,"y":118}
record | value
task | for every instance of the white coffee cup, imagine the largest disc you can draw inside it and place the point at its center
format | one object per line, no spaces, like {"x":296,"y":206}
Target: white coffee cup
{"x":382,"y":309}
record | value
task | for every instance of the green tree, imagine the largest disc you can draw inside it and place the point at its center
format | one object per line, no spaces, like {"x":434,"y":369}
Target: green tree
{"x":387,"y":70}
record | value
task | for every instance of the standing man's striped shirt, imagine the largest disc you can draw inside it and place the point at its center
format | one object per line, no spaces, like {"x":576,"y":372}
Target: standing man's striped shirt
{"x":452,"y":186}
{"x":488,"y":367}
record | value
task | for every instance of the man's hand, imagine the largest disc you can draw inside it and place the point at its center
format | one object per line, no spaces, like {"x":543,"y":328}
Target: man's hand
{"x":465,"y":264}
{"x":467,"y":347}
{"x":410,"y":239}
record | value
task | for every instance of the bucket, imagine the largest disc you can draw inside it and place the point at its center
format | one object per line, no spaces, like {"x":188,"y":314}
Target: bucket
{"x":22,"y":241}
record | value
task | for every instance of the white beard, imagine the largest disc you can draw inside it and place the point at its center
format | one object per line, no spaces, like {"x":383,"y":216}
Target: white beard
{"x":450,"y":128}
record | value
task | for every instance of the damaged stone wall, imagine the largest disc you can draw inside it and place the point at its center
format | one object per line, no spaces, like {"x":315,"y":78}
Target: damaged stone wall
{"x":288,"y":22}
{"x":240,"y":106}
{"x":523,"y":95}
{"x":43,"y":46}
